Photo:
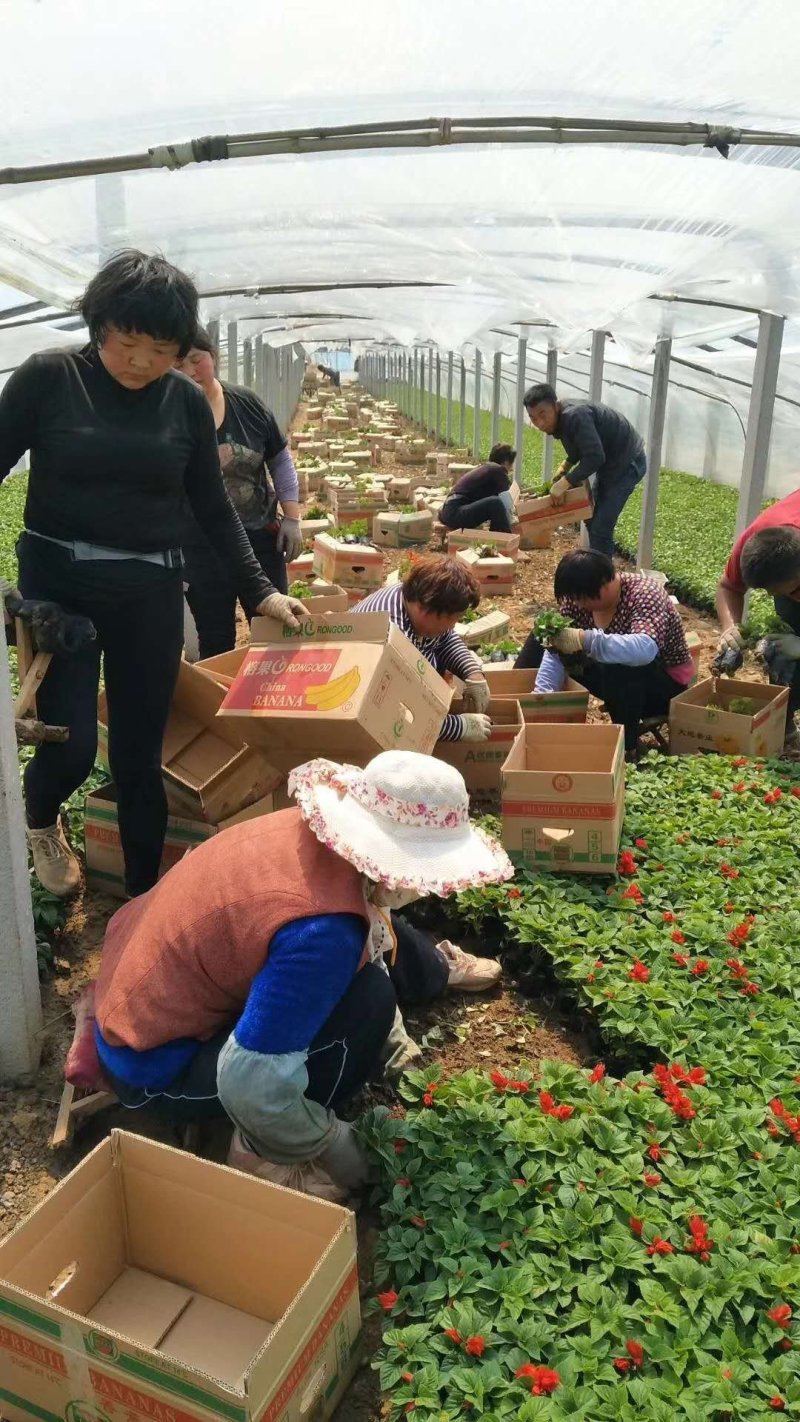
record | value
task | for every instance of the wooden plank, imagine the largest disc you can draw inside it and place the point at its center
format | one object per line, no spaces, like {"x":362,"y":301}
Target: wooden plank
{"x":26,"y":699}
{"x":63,"y":1127}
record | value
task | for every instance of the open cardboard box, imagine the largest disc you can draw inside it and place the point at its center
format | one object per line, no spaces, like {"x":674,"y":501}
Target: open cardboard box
{"x":105,"y":865}
{"x":349,"y":564}
{"x":152,"y":1284}
{"x":481,"y":762}
{"x":209,"y":770}
{"x":505,"y":543}
{"x":569,"y":704}
{"x":402,"y":530}
{"x":345,"y":687}
{"x":694,"y":726}
{"x":541,"y":516}
{"x":563,"y":798}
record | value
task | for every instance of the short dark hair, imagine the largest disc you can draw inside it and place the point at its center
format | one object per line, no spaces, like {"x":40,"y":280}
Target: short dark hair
{"x":583,"y":573}
{"x":771,"y":556}
{"x":502,"y":454}
{"x":442,"y":585}
{"x":539,"y":395}
{"x":141,"y":293}
{"x":201,"y":341}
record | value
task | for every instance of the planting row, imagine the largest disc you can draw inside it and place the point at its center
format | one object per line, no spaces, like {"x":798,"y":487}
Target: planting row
{"x":591,"y":1248}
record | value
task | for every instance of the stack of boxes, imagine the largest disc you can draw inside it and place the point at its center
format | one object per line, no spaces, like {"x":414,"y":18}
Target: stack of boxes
{"x":358,"y":568}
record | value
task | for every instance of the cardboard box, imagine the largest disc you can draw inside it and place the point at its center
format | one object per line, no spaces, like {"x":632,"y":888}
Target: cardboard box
{"x":151,"y":1284}
{"x":489,"y":627}
{"x":495,"y":574}
{"x":694,"y":726}
{"x":569,"y":705}
{"x":105,"y":868}
{"x":301,"y":570}
{"x":465,"y":538}
{"x":481,"y":762}
{"x":399,"y":489}
{"x":563,"y":798}
{"x":402,"y":530}
{"x":209,"y":771}
{"x":541,"y":514}
{"x":352,"y":565}
{"x":413,"y":452}
{"x":344,"y":687}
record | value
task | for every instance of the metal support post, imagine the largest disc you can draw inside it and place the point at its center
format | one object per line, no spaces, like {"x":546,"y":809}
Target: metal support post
{"x":448,"y":427}
{"x":462,"y":398}
{"x":547,"y":455}
{"x":497,"y":377}
{"x":596,"y":366}
{"x":476,"y":422}
{"x":233,"y":352}
{"x":20,"y":1003}
{"x":213,"y":333}
{"x":519,"y":408}
{"x":759,"y":419}
{"x":423,"y":382}
{"x":655,"y":439}
{"x":247,"y":363}
{"x":258,"y":365}
{"x":438,"y":395}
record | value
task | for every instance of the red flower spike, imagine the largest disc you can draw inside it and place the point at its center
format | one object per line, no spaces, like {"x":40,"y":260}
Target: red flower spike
{"x":410,"y":1407}
{"x":651,"y":1180}
{"x":633,"y":892}
{"x":740,"y":761}
{"x":427,"y":1099}
{"x":781,"y":1314}
{"x":777,"y":1403}
{"x":739,"y":787}
{"x":407,"y":1377}
{"x":701,"y":966}
{"x":639,"y":973}
{"x":626,"y":864}
{"x":635,"y":1352}
{"x":660,"y":1246}
{"x":403,"y":1180}
{"x":716,"y":794}
{"x":749,"y":990}
{"x":513,"y":893}
{"x":453,"y":1334}
{"x":636,"y":1225}
{"x":388,"y":1299}
{"x":729,"y":907}
{"x":597,"y":1074}
{"x":475,"y":1345}
{"x":499,"y":1082}
{"x":795,"y":790}
{"x":520,"y":1086}
{"x":669,"y":917}
{"x":786,"y":1344}
{"x":399,"y":1147}
{"x":622,"y":1365}
{"x":681,"y":960}
{"x":544,"y":1381}
{"x":678,"y":937}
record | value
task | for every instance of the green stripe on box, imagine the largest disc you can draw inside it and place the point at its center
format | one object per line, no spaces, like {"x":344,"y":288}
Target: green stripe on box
{"x":541,"y":856}
{"x":173,"y":832}
{"x":33,"y":1320}
{"x":104,"y":875}
{"x":25,"y":1406}
{"x":181,"y":1389}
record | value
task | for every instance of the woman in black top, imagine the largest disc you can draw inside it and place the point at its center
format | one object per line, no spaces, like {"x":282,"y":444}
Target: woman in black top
{"x":477,"y":497}
{"x":259,"y":474}
{"x":116,"y":439}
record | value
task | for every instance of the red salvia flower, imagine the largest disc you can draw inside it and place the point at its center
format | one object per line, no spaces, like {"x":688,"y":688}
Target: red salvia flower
{"x":777,"y":1403}
{"x":453,"y":1334}
{"x":622,"y":1365}
{"x":636,"y":1225}
{"x":669,"y":917}
{"x":499,"y":1081}
{"x":651,"y":1180}
{"x":639,"y":973}
{"x":780,"y":1314}
{"x":475,"y":1345}
{"x":543,"y":1381}
{"x":626,"y":864}
{"x":681,"y":960}
{"x":701,"y":966}
{"x":635,"y":1352}
{"x":660,"y":1246}
{"x":633,"y":892}
{"x":388,"y":1299}
{"x":597,"y":1074}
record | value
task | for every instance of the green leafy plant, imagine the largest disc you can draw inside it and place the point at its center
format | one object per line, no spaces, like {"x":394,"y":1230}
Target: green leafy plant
{"x":315,"y":511}
{"x":742,"y":705}
{"x":548,"y":624}
{"x":300,"y":589}
{"x":355,"y":531}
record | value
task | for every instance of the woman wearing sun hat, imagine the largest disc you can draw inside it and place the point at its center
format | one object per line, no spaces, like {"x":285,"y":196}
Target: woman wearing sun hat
{"x":253,"y":977}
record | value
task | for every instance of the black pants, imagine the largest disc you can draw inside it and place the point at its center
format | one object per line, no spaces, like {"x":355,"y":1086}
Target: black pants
{"x":211,"y":593}
{"x":457,"y":513}
{"x":137,"y":609}
{"x":629,"y":693}
{"x":789,"y":612}
{"x":345,"y":1052}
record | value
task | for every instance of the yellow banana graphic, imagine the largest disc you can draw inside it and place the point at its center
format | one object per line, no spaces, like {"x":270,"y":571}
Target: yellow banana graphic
{"x":334,"y":693}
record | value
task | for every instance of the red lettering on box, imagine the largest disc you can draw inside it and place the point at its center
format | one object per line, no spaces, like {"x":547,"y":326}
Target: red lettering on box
{"x":35,"y":1352}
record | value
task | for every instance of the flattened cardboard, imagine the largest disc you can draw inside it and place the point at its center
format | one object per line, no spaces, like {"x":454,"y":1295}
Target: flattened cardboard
{"x":693,"y":726}
{"x":571,"y":704}
{"x":270,"y":1332}
{"x":345,"y":687}
{"x":141,"y":1306}
{"x":481,"y":762}
{"x":563,"y":798}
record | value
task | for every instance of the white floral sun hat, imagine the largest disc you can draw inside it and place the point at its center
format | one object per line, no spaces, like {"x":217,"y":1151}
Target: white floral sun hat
{"x":403,"y":821}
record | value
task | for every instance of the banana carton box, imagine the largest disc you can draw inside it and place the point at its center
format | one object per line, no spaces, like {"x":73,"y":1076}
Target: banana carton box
{"x":347,"y":686}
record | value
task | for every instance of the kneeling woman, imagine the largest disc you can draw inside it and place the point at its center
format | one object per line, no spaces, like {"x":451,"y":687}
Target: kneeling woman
{"x":252,"y":977}
{"x":628,"y":631}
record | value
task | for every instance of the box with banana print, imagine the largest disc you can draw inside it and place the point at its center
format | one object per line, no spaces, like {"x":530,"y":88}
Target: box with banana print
{"x":346,"y":686}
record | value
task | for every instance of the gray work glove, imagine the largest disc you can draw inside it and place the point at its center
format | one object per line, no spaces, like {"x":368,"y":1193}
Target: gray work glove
{"x":474,"y":728}
{"x":399,"y":1050}
{"x":290,"y":539}
{"x":477,"y":694}
{"x":344,"y":1159}
{"x":780,"y":655}
{"x":288,"y":610}
{"x":8,"y":593}
{"x":730,"y":652}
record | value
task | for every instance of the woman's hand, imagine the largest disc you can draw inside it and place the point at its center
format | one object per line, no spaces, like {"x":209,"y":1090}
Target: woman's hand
{"x":475,"y":728}
{"x":569,"y":641}
{"x":288,"y":610}
{"x":477,"y":693}
{"x":290,"y":538}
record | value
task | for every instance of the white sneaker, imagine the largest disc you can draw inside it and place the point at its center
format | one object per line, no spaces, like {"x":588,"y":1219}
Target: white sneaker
{"x":309,"y":1177}
{"x":54,"y":863}
{"x":468,"y":973}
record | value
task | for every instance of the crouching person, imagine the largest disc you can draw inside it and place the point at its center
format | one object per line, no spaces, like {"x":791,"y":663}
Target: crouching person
{"x":261,"y":976}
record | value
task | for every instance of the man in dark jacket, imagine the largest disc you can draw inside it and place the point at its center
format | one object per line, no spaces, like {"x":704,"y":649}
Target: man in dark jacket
{"x":601,"y":445}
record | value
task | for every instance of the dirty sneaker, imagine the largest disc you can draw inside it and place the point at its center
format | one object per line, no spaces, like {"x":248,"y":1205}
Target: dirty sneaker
{"x":54,"y":863}
{"x":467,"y":973}
{"x":308,"y":1177}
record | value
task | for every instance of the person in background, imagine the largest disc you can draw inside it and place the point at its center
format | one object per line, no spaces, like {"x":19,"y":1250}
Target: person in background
{"x":259,"y":474}
{"x":628,"y":632}
{"x":329,"y":372}
{"x":426,"y":605}
{"x":273,"y":996}
{"x":477,"y":497}
{"x":766,"y":555}
{"x":600,"y":445}
{"x":117,"y":440}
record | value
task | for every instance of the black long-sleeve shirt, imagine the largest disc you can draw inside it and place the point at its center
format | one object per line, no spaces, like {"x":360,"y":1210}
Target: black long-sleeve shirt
{"x":114,"y":467}
{"x":597,"y":440}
